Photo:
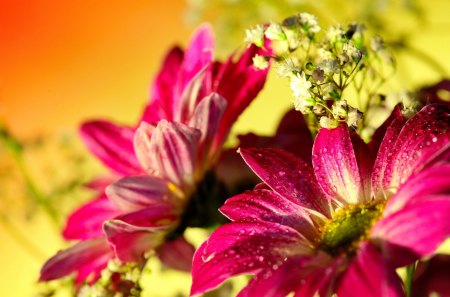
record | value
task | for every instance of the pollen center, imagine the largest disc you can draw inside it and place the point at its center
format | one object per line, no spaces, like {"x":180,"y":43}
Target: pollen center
{"x":349,"y":226}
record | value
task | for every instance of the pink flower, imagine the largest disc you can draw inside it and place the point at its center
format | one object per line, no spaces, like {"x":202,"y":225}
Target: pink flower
{"x":432,"y":276}
{"x":343,"y":225}
{"x":194,"y":102}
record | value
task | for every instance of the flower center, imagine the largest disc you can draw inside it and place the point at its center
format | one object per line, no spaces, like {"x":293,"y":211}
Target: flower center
{"x":349,"y":226}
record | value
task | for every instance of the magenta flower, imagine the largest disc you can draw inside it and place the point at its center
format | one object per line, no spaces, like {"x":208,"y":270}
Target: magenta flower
{"x":343,"y":225}
{"x":194,"y":102}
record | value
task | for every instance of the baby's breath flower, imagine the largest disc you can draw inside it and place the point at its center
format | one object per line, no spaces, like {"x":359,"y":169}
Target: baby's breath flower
{"x":309,"y":22}
{"x":255,"y":36}
{"x":334,"y":33}
{"x":260,"y":62}
{"x":354,"y":117}
{"x":328,"y":123}
{"x":275,"y":32}
{"x":300,"y":86}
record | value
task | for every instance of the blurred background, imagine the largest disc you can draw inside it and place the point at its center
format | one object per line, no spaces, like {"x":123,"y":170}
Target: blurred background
{"x":63,"y":62}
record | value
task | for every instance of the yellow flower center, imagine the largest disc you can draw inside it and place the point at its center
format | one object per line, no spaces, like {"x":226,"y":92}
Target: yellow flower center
{"x":349,"y":226}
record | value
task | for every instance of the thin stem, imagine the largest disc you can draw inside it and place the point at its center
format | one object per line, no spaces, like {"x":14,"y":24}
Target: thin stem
{"x":409,"y":278}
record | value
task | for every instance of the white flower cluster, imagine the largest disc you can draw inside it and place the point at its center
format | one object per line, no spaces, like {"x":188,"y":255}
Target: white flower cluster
{"x":322,"y":64}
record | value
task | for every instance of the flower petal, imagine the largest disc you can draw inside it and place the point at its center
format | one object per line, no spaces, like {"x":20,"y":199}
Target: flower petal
{"x":161,"y":105}
{"x":242,"y":248}
{"x":173,"y":148}
{"x":206,"y":119}
{"x":238,"y":82}
{"x":133,"y":193}
{"x":133,"y":234}
{"x":413,"y":232}
{"x":89,"y":257}
{"x":432,"y":276}
{"x":420,"y":142}
{"x":429,"y":183}
{"x":86,"y":222}
{"x":142,"y":146}
{"x":284,"y":278}
{"x":177,"y":254}
{"x":397,"y":119}
{"x":287,"y":175}
{"x":112,"y":144}
{"x":336,"y":167}
{"x":266,"y":205}
{"x":197,"y":57}
{"x":369,"y":274}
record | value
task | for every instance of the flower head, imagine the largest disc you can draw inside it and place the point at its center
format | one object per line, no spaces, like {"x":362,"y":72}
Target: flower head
{"x":160,"y":165}
{"x":343,"y":225}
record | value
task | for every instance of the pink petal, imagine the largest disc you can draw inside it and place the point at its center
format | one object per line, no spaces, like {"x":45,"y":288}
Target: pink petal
{"x":112,"y":144}
{"x":266,"y":205}
{"x":432,"y":276}
{"x":369,"y":275}
{"x":198,"y":56}
{"x":284,"y":278}
{"x":322,"y":279}
{"x":174,"y":151}
{"x":133,"y":193}
{"x":429,"y":183}
{"x":365,"y":159}
{"x":420,"y":142}
{"x":161,"y":103}
{"x":413,"y":232}
{"x":87,"y":258}
{"x":143,"y":147}
{"x":86,"y":222}
{"x":206,"y":119}
{"x":242,"y":248}
{"x":238,"y":82}
{"x":336,"y":167}
{"x":134,"y":234}
{"x":432,"y":94}
{"x":395,"y":118}
{"x":177,"y":254}
{"x":288,"y":176}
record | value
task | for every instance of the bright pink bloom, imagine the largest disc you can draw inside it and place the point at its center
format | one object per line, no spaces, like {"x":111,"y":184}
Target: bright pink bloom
{"x":343,"y":225}
{"x":194,"y":102}
{"x":432,"y":276}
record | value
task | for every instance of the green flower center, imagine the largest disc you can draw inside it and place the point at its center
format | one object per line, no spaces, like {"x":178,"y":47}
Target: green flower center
{"x":349,"y":226}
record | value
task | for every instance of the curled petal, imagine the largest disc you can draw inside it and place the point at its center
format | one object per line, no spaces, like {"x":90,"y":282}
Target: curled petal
{"x":132,"y":193}
{"x":87,"y":258}
{"x":143,"y":147}
{"x":112,"y":144}
{"x":134,"y":234}
{"x":174,"y":150}
{"x":206,"y":119}
{"x":369,"y":274}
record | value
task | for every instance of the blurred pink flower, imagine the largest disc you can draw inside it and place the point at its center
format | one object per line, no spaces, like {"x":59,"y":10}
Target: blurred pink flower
{"x":343,"y":225}
{"x":163,"y":161}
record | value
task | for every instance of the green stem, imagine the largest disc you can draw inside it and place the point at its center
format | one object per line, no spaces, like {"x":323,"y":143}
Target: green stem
{"x":409,"y":278}
{"x":16,"y":150}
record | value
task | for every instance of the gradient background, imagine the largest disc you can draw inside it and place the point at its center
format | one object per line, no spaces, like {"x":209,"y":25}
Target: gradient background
{"x":62,"y":62}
